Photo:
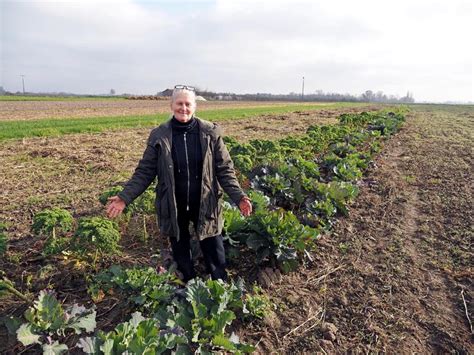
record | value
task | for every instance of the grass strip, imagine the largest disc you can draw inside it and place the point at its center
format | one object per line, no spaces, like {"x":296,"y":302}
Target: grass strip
{"x":61,"y":126}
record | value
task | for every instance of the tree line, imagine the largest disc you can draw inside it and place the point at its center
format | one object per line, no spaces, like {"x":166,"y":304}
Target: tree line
{"x":319,"y":95}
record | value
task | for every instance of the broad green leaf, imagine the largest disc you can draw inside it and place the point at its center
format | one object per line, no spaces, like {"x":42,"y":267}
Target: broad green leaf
{"x":89,"y":345}
{"x":245,"y":348}
{"x":223,"y":342}
{"x":83,"y":322}
{"x":54,"y":348}
{"x":197,"y":295}
{"x":11,"y":323}
{"x":26,"y":335}
{"x":257,"y":241}
{"x":221,"y":320}
{"x":76,"y":310}
{"x":136,"y":319}
{"x":107,"y":347}
{"x":288,"y":266}
{"x":49,"y":313}
{"x":183,"y":349}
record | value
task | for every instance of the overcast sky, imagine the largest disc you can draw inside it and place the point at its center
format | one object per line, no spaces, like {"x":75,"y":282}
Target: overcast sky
{"x":138,"y":46}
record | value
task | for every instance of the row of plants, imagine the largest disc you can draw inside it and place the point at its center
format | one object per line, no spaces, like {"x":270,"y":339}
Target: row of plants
{"x":300,"y":184}
{"x":198,"y":313}
{"x":165,"y":317}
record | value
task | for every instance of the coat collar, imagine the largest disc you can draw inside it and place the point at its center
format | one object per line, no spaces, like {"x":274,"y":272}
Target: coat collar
{"x":206,"y":127}
{"x":163,"y":133}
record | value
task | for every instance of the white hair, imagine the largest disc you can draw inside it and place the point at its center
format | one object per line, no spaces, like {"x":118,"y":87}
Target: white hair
{"x":177,"y":92}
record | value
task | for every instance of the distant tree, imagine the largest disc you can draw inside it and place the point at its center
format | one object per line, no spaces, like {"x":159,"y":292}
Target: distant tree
{"x":112,"y":92}
{"x":408,"y":99}
{"x":2,"y":91}
{"x":380,"y":96}
{"x":368,"y":96}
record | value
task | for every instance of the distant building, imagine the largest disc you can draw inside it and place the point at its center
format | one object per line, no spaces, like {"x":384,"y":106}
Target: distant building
{"x":165,"y":93}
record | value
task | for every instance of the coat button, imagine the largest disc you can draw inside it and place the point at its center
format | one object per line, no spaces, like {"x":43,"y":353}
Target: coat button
{"x":169,"y":166}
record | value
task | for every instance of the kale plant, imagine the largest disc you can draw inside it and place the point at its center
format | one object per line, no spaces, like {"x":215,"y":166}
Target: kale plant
{"x":53,"y":223}
{"x":97,"y":234}
{"x":48,"y":322}
{"x":137,"y":336}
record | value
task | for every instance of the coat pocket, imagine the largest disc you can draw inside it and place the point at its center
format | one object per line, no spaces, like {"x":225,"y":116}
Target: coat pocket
{"x":162,"y":202}
{"x":211,"y":210}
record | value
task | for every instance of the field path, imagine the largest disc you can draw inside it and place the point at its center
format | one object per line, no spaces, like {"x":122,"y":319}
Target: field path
{"x":390,"y":277}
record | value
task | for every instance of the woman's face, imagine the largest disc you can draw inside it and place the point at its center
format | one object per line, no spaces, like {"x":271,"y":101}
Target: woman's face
{"x":183,"y":107}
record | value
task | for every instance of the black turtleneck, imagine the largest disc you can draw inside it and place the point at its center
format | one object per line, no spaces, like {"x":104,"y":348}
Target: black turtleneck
{"x":186,"y":143}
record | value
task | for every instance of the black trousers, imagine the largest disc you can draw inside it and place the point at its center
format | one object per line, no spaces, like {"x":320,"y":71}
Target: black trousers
{"x":212,"y":249}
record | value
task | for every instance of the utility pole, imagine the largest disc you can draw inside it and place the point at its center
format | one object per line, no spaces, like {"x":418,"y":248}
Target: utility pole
{"x":302,"y":90}
{"x":23,"y":81}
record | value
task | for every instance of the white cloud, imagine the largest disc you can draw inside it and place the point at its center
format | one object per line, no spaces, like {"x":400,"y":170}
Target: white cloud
{"x":240,"y":46}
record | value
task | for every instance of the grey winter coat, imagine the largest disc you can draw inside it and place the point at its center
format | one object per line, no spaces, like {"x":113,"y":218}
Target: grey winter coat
{"x":217,"y":175}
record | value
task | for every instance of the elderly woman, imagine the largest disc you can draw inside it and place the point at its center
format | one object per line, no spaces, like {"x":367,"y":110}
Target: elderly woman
{"x":193,"y":166}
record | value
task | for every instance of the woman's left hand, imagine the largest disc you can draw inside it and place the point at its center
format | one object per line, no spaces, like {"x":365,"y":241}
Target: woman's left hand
{"x":245,"y":206}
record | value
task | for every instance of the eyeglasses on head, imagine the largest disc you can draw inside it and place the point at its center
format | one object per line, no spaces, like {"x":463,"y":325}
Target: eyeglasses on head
{"x":185,"y":87}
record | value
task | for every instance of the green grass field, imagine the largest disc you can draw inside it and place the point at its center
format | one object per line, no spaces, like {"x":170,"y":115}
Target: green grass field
{"x":56,"y":127}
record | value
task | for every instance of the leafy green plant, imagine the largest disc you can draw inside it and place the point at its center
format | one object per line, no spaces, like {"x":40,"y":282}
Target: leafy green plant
{"x":209,"y":308}
{"x":357,"y":119}
{"x":55,"y":245}
{"x":311,"y":177}
{"x":260,"y":202}
{"x":97,"y":233}
{"x":243,"y":163}
{"x":53,"y":223}
{"x":143,"y":206}
{"x":137,"y":336}
{"x":279,"y":236}
{"x":147,"y":288}
{"x":48,"y":321}
{"x":331,"y":198}
{"x":340,"y":193}
{"x":234,"y":223}
{"x":257,"y":303}
{"x":197,"y":315}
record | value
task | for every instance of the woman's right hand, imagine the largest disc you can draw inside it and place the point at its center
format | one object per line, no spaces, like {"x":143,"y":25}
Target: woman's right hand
{"x":115,"y":207}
